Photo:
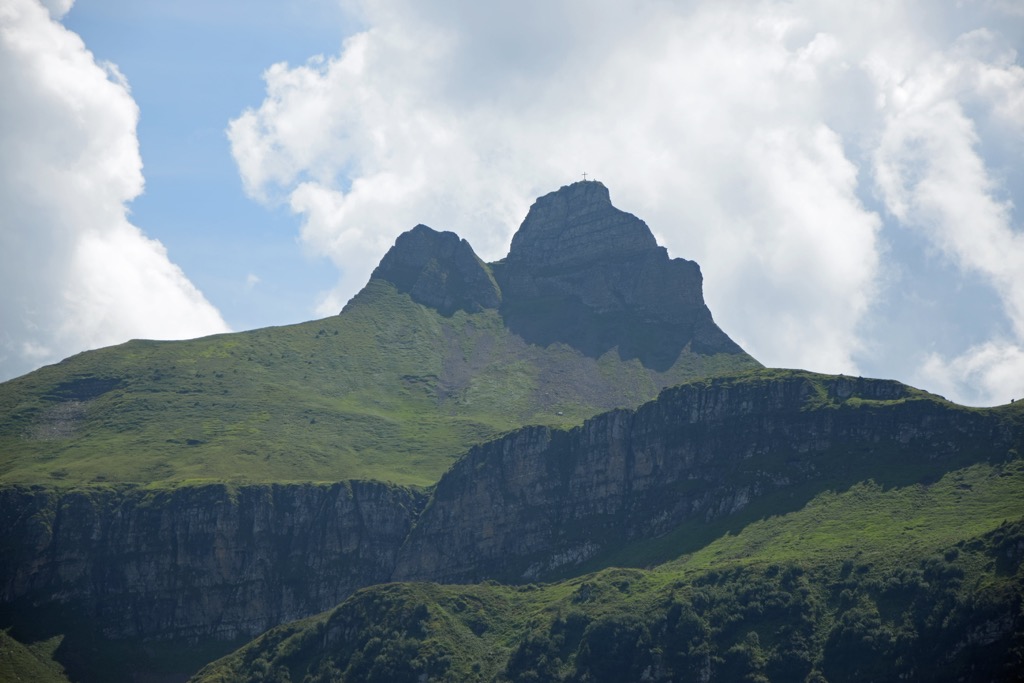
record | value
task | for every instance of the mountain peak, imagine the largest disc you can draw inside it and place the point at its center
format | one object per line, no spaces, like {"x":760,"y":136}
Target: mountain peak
{"x":581,"y":194}
{"x":579,"y":271}
{"x":439,"y":270}
{"x":585,"y":273}
{"x":577,"y":224}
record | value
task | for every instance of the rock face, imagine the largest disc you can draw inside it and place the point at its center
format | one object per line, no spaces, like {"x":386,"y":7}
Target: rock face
{"x":439,"y":270}
{"x":579,"y":271}
{"x":217,"y":562}
{"x":540,"y":501}
{"x":574,"y":228}
{"x":202,"y":562}
{"x":582,"y":272}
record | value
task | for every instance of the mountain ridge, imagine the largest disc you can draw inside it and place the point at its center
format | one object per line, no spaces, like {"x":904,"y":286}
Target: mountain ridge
{"x":539,"y":503}
{"x":572,"y":408}
{"x":219,"y":562}
{"x":780,"y":600}
{"x":579,"y":271}
{"x":433,"y":355}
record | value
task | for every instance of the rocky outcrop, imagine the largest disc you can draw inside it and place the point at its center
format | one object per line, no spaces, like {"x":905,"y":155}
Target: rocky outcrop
{"x":579,"y":271}
{"x":540,"y":501}
{"x":576,"y":227}
{"x":198,"y":562}
{"x":439,"y":270}
{"x":582,"y":272}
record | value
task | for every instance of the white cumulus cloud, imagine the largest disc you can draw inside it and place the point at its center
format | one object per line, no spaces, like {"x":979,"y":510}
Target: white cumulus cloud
{"x":991,"y":369}
{"x":933,"y":177}
{"x":779,"y":144}
{"x":75,"y":272}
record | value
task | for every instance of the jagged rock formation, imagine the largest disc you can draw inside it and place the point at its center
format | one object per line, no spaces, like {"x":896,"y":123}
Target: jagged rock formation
{"x":439,"y":270}
{"x":582,"y":272}
{"x":579,"y":271}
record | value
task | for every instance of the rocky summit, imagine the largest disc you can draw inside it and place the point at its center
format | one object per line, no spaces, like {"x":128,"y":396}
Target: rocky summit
{"x":440,"y":351}
{"x":439,"y":270}
{"x":579,"y":271}
{"x":575,"y":227}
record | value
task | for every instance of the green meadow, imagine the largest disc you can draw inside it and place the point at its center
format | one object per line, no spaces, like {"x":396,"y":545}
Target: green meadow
{"x":389,"y":390}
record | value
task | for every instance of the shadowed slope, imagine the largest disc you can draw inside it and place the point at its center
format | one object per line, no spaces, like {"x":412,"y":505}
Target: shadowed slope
{"x":582,"y":272}
{"x":922,"y":582}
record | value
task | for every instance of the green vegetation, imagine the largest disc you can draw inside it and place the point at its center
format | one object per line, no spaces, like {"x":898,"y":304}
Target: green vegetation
{"x":835,"y":528}
{"x":81,"y":653}
{"x":921,"y":582}
{"x":388,"y":390}
{"x":35,"y":662}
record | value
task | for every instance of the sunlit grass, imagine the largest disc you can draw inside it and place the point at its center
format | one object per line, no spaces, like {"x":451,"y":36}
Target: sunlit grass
{"x":389,"y":390}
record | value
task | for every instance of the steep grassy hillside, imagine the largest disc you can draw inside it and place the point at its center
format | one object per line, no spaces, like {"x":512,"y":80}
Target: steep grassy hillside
{"x":388,"y":390}
{"x":920,"y":582}
{"x":433,"y":356}
{"x":35,"y":663}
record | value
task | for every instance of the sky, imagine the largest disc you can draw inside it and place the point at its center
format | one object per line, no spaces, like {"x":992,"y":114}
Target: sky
{"x":847,"y":175}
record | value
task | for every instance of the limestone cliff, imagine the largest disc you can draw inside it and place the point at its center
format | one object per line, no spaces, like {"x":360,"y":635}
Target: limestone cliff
{"x":199,"y":562}
{"x":540,"y":502}
{"x":215,"y":563}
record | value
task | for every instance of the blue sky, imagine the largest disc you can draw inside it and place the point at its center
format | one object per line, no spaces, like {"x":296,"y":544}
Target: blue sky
{"x":192,"y":67}
{"x":847,"y":175}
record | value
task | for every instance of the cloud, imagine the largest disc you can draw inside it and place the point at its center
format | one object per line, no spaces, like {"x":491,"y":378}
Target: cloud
{"x":76,"y":274}
{"x":932,"y":176}
{"x":772,"y":142}
{"x":991,"y":369}
{"x":58,"y":8}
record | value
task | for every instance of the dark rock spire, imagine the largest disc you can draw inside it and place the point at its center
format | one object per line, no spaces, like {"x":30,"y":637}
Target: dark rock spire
{"x":582,"y":272}
{"x":439,"y":270}
{"x":579,"y":271}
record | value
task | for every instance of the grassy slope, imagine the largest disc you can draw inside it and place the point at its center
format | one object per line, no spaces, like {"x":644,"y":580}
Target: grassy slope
{"x":867,"y":577}
{"x":389,"y":390}
{"x":884,"y":469}
{"x":30,"y":663}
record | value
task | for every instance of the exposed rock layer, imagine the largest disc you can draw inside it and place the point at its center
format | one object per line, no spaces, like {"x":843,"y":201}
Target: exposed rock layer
{"x":216,"y":562}
{"x":540,"y":501}
{"x":199,"y":562}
